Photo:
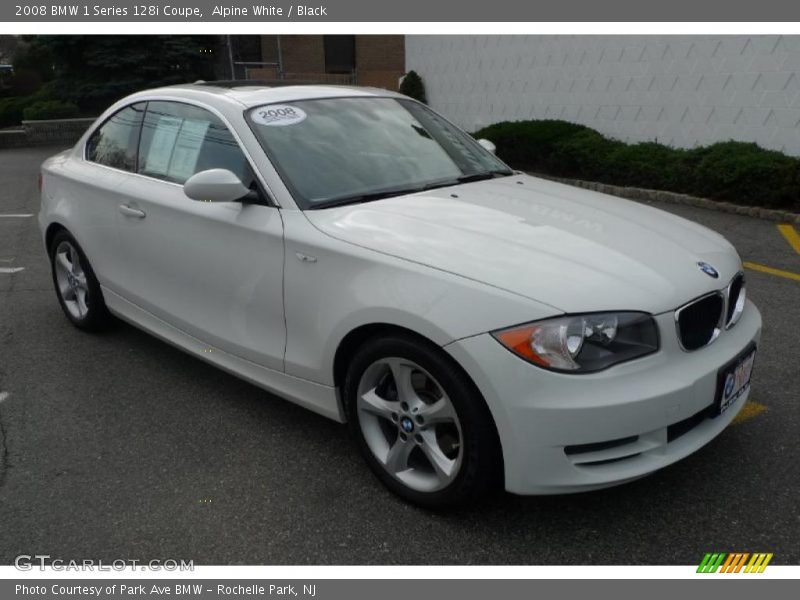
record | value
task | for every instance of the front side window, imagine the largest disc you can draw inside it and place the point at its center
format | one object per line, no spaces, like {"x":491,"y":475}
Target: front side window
{"x":179,"y":140}
{"x":338,"y":150}
{"x":114,"y":143}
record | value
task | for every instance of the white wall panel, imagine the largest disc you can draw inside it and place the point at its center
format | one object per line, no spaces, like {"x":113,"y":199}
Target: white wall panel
{"x":678,"y":90}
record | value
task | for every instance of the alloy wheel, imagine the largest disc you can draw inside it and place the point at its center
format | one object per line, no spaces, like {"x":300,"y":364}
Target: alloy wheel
{"x":71,"y":278}
{"x":409,"y":424}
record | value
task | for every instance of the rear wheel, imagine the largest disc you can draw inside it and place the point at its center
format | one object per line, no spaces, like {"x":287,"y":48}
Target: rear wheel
{"x":423,"y":428}
{"x":76,"y":286}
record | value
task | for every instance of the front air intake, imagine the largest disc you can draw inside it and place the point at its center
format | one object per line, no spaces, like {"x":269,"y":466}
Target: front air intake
{"x":735,"y":294}
{"x":700,"y":321}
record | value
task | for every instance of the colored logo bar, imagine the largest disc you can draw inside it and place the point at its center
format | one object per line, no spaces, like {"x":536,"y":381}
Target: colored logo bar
{"x":734,"y":562}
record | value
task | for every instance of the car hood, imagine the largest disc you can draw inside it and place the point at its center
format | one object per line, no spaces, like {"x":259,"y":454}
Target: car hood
{"x":571,"y":248}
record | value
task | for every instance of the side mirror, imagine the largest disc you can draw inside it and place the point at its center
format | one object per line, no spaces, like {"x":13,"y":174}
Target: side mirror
{"x":216,"y":185}
{"x":487,"y":145}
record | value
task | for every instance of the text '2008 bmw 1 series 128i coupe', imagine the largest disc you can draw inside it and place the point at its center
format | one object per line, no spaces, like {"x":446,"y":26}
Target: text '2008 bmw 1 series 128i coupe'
{"x":354,"y":252}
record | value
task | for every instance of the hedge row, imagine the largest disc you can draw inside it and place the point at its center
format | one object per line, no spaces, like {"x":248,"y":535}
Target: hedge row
{"x":11,"y":110}
{"x":42,"y":104}
{"x":50,"y":109}
{"x":737,"y":172}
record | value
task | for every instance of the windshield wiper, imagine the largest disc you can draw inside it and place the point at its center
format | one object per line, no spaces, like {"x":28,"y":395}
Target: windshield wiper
{"x":482,"y":175}
{"x":361,"y":198}
{"x":380,"y":195}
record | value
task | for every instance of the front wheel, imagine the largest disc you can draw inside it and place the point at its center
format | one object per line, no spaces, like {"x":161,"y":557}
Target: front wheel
{"x":423,"y":428}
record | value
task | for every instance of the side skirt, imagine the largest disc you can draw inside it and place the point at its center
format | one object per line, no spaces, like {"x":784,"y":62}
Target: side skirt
{"x":321,"y":399}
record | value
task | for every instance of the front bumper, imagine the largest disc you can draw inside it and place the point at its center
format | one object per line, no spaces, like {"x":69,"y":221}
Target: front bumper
{"x":565,"y":433}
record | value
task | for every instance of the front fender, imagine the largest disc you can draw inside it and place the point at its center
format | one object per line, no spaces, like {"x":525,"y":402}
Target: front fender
{"x":348,"y":286}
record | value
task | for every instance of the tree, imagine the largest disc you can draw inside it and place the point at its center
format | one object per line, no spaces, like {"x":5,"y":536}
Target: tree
{"x":95,"y":70}
{"x":8,"y":46}
{"x":32,"y":65}
{"x":413,"y":87}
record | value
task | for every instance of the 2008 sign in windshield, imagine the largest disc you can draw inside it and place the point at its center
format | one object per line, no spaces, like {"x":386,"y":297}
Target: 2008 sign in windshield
{"x":278,"y":115}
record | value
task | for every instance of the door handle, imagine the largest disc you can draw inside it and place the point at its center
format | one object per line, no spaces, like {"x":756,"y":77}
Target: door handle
{"x":129,"y":211}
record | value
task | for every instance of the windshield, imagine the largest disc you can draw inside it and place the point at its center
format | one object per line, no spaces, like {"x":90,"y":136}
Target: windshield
{"x":344,"y":150}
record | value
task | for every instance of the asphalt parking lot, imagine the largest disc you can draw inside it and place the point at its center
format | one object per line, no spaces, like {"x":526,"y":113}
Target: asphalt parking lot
{"x":118,"y":446}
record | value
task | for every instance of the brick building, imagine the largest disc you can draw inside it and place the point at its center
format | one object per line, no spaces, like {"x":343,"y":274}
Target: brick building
{"x":371,"y":60}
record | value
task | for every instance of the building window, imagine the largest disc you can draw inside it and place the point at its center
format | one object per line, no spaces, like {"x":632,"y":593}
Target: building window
{"x":340,"y":53}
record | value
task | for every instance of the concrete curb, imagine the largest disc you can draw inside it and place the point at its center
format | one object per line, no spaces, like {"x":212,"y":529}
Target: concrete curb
{"x":641,"y":194}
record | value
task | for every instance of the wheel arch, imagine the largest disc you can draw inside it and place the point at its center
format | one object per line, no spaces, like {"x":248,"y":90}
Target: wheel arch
{"x":54,"y":229}
{"x":358,"y":336}
{"x":355,"y":338}
{"x":50,"y":234}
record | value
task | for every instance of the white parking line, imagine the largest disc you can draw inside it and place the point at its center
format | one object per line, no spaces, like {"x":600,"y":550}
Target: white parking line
{"x":9,"y":270}
{"x":3,"y":396}
{"x":20,"y":216}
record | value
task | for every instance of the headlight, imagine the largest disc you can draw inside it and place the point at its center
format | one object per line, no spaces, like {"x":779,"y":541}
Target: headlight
{"x":582,"y":343}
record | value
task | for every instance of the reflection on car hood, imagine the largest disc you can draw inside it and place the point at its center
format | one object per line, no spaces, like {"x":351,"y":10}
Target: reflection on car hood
{"x":571,"y":248}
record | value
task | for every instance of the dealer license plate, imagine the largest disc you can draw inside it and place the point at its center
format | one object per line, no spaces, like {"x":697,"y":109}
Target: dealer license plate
{"x":733,"y":380}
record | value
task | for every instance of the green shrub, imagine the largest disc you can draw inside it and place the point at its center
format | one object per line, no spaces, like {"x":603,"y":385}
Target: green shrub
{"x":738,"y":172}
{"x":413,"y":87}
{"x":11,"y":110}
{"x":584,"y":155}
{"x":647,"y":165}
{"x":746,"y":173}
{"x":50,"y":109}
{"x":530,"y":144}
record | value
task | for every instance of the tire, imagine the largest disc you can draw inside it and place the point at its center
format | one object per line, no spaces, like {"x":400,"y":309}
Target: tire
{"x":431,"y":440}
{"x":76,"y":285}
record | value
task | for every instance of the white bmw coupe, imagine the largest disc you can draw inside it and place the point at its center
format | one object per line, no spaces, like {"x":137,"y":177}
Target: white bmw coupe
{"x":354,"y":252}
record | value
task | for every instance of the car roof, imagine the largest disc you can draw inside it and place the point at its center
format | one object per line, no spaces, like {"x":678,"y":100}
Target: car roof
{"x":255,"y":93}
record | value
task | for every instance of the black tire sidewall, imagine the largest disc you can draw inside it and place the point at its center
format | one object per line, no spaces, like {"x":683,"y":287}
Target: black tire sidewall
{"x":481,"y":468}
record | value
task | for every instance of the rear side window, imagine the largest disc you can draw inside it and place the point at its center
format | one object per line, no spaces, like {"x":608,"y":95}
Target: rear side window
{"x":179,"y":140}
{"x":114,"y":143}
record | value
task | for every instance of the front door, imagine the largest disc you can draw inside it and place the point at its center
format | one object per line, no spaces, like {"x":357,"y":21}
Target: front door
{"x":213,"y":270}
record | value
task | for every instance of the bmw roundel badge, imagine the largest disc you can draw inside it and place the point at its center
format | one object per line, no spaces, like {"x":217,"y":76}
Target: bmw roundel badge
{"x":708,"y":269}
